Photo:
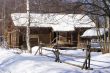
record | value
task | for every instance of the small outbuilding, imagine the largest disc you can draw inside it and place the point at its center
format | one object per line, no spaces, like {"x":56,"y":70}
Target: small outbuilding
{"x":95,"y":37}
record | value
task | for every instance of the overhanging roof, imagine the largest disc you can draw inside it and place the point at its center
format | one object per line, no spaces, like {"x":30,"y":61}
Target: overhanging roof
{"x":58,"y":21}
{"x":94,"y":32}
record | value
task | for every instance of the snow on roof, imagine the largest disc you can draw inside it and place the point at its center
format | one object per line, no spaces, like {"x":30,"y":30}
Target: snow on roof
{"x":59,"y":22}
{"x":94,"y":32}
{"x":62,"y":28}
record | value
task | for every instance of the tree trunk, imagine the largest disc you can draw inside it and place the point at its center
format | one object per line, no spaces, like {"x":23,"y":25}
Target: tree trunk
{"x":108,"y":26}
{"x":28,"y":29}
{"x":28,"y":39}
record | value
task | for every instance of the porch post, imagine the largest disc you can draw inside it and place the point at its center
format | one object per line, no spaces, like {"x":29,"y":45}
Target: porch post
{"x":78,"y":44}
{"x":71,"y":38}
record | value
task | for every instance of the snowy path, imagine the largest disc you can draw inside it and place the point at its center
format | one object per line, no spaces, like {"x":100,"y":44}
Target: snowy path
{"x":28,"y":63}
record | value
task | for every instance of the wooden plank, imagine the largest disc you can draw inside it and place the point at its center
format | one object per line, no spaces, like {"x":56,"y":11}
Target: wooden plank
{"x":72,"y":55}
{"x":78,"y":44}
{"x":64,"y":62}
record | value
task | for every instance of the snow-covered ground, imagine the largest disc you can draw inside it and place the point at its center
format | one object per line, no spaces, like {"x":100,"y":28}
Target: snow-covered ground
{"x":14,"y":61}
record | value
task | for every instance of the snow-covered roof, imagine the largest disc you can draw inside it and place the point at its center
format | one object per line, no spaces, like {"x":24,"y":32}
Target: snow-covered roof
{"x":62,"y":28}
{"x":58,"y":21}
{"x":93,"y":32}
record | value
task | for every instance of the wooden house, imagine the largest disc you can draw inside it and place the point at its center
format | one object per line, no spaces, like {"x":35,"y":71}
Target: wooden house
{"x":46,"y":27}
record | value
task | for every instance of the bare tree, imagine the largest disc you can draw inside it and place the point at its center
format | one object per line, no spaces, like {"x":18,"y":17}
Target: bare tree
{"x":98,"y":8}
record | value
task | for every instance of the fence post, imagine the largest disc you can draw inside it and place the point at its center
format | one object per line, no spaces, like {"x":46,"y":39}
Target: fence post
{"x":56,"y":53}
{"x":86,"y":64}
